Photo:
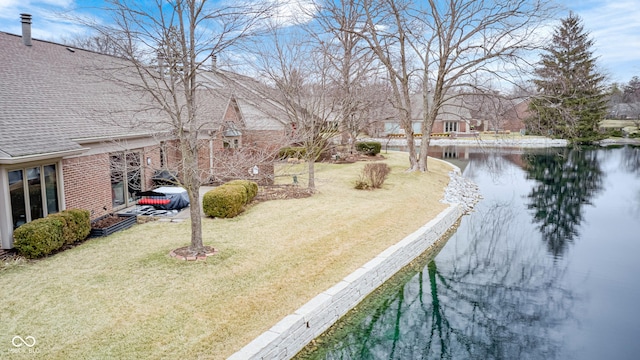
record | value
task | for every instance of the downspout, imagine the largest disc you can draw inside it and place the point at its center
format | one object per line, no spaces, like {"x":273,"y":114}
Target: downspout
{"x":210,"y":156}
{"x":61,"y":198}
{"x":6,"y":227}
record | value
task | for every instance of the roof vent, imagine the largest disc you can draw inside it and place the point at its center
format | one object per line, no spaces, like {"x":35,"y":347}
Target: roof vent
{"x":26,"y":28}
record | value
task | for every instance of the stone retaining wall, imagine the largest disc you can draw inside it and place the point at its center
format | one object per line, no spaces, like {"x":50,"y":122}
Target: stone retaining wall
{"x":295,"y":331}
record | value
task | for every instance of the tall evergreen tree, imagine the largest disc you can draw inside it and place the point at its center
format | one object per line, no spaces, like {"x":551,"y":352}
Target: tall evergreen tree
{"x":632,"y":90}
{"x":571,"y":98}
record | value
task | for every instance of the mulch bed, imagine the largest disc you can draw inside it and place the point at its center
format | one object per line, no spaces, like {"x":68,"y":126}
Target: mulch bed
{"x":184,"y":253}
{"x":280,"y":192}
{"x":8,"y":254}
{"x":107,"y":221}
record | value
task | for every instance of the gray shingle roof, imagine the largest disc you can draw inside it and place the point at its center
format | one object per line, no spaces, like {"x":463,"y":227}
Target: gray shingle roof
{"x":48,"y":98}
{"x":258,"y":103}
{"x":52,"y":98}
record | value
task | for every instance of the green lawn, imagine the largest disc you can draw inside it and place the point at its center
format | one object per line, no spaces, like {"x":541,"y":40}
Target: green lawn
{"x":123,"y":297}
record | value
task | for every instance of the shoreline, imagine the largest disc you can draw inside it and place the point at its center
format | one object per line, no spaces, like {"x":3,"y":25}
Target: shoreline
{"x":501,"y":141}
{"x":295,"y":331}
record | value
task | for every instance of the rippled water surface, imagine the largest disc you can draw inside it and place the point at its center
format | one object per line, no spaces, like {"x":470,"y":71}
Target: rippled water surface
{"x":547,"y":267}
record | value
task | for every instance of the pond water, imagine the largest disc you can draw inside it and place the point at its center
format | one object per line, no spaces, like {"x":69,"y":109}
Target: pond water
{"x":546,"y":267}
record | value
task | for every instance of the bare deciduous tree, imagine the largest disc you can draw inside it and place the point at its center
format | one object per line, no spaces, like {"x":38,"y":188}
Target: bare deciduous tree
{"x":300,"y":71}
{"x":447,"y":46}
{"x":359,"y":93}
{"x":182,"y":35}
{"x":101,"y":43}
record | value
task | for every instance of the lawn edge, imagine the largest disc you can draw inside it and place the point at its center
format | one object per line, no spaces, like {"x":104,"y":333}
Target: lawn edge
{"x":291,"y":334}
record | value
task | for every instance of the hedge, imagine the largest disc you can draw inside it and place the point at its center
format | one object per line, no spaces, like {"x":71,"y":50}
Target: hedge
{"x":292,"y":152}
{"x":228,"y":199}
{"x":43,"y":236}
{"x":369,"y":147}
{"x":78,"y":224}
{"x":250,"y":186}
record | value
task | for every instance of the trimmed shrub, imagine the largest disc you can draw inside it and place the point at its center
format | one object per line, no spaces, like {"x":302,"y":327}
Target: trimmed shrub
{"x":225,"y":201}
{"x":43,"y":236}
{"x":77,"y":224}
{"x":370,"y":148}
{"x":239,"y":189}
{"x":40,"y":237}
{"x":250,"y":186}
{"x":292,"y":152}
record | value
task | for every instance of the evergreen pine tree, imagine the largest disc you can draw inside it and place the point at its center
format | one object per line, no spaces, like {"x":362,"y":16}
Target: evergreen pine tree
{"x":571,"y":98}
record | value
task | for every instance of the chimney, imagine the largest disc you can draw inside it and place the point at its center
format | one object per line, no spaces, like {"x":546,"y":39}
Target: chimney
{"x":160,"y":62}
{"x":214,"y":62}
{"x":26,"y":29}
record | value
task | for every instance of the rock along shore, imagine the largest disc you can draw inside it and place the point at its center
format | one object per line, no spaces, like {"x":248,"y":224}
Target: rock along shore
{"x":521,"y":142}
{"x":461,"y":191}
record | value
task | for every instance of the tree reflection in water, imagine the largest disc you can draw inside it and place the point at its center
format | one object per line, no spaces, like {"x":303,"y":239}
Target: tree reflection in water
{"x":566,"y":180}
{"x":496,"y":295}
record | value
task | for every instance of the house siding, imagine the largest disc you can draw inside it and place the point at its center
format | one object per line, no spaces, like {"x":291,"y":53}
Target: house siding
{"x":87,"y":184}
{"x":87,"y":180}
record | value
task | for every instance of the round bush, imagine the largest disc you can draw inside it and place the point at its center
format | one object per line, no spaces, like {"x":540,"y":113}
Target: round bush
{"x":250,"y":186}
{"x":39,"y":237}
{"x":292,"y":152}
{"x":225,"y":201}
{"x":77,"y":224}
{"x":369,"y":147}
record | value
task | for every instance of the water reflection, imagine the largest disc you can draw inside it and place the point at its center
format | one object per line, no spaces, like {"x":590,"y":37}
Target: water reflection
{"x":566,"y":181}
{"x":508,"y":285}
{"x":631,"y":159}
{"x":494,"y":299}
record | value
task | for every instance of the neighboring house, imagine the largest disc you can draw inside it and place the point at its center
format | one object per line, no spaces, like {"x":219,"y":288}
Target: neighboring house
{"x":624,"y":111}
{"x":501,"y":114}
{"x":71,"y":138}
{"x":248,"y":143}
{"x":515,"y":115}
{"x":265,"y":120}
{"x":453,"y":118}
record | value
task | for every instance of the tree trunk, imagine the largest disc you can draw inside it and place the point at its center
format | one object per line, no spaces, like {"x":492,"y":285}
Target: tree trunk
{"x":426,"y":128}
{"x":196,"y":221}
{"x":312,"y":174}
{"x":411,"y":148}
{"x":192,"y":184}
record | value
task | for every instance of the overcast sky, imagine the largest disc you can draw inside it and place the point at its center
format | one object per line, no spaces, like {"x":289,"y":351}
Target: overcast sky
{"x":613,"y":24}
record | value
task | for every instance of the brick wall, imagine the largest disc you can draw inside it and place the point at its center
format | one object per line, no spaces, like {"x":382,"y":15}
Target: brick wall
{"x":87,"y":180}
{"x":266,"y":139}
{"x":87,"y":184}
{"x":152,"y":153}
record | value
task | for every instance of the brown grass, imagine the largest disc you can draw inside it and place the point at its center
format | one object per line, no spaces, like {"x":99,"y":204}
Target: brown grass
{"x":124,"y":297}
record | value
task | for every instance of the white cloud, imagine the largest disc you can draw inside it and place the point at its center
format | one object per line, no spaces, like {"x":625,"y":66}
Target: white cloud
{"x":51,"y":19}
{"x":292,"y":12}
{"x":615,"y":28}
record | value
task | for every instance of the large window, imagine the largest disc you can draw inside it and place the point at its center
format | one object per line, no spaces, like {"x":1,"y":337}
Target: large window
{"x":33,"y":192}
{"x":126,"y":178}
{"x":450,"y":126}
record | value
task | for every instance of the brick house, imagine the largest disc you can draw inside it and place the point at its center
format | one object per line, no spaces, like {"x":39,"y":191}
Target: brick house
{"x":454,"y":117}
{"x":70,"y":138}
{"x":501,"y":113}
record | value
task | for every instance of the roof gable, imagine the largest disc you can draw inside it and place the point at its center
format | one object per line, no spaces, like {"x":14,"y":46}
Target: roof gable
{"x":50,"y":97}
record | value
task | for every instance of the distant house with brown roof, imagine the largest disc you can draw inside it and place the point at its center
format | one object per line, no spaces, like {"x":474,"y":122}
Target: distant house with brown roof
{"x":499,"y":113}
{"x":454,"y":117}
{"x":71,"y":138}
